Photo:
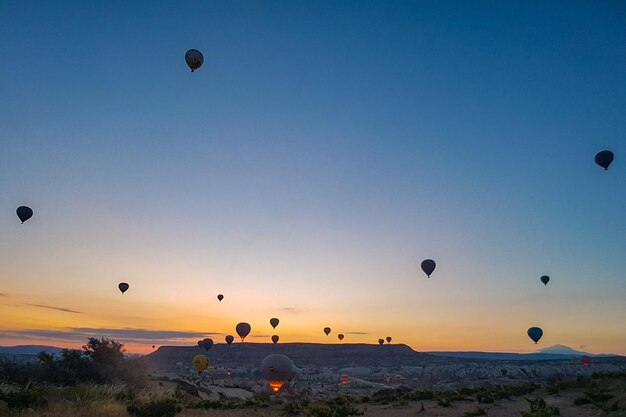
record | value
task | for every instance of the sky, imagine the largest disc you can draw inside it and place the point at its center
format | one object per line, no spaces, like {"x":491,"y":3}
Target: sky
{"x":323,"y":150}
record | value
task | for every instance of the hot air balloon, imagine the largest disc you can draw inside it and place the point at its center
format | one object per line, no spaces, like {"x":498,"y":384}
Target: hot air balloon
{"x":274,"y":322}
{"x":243,"y":329}
{"x":153,"y":346}
{"x":229,"y":371}
{"x":229,"y":339}
{"x":604,"y":159}
{"x":545,"y":279}
{"x":585,"y":360}
{"x":200,"y":363}
{"x":388,"y":339}
{"x":24,"y":213}
{"x":194,"y":59}
{"x":277,"y":369}
{"x":340,"y":336}
{"x":123,"y":287}
{"x":344,"y":379}
{"x":428,"y":266}
{"x":275,"y":338}
{"x":327,"y":330}
{"x":381,"y":341}
{"x":220,"y":297}
{"x":535,"y":334}
{"x":207,"y":344}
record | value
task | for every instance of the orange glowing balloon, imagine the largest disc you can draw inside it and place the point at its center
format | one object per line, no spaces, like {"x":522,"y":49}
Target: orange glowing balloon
{"x":275,"y":385}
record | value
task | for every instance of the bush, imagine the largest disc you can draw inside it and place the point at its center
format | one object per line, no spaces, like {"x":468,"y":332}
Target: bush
{"x":296,"y":407}
{"x":539,"y":408}
{"x":158,"y":408}
{"x":24,"y":398}
{"x":335,"y":407}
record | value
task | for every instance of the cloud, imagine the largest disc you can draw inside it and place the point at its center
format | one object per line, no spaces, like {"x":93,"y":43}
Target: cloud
{"x":65,"y":310}
{"x":125,"y":335}
{"x":3,"y":294}
{"x":356,"y":333}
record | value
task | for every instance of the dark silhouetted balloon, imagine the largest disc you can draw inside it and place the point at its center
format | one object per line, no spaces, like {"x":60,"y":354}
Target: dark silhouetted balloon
{"x":545,"y":279}
{"x":585,"y":360}
{"x":24,"y":213}
{"x":275,"y":338}
{"x":340,"y":336}
{"x":123,"y":287}
{"x":229,"y":339}
{"x":274,"y":322}
{"x":388,"y":339}
{"x":243,"y":329}
{"x":153,"y":346}
{"x":604,"y":159}
{"x":535,"y":334}
{"x":220,"y":297}
{"x":381,"y":341}
{"x":194,"y":59}
{"x":428,"y":266}
{"x":200,"y":363}
{"x":327,"y":330}
{"x":207,"y":344}
{"x":277,"y":369}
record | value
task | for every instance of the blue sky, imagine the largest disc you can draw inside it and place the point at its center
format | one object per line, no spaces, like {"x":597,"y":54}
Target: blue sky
{"x":322,"y":151}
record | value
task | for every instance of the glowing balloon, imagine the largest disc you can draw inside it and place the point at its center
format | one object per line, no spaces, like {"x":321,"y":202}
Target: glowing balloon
{"x":340,"y":336}
{"x":545,"y":279}
{"x":123,"y":287}
{"x":243,"y":329}
{"x":535,"y":334}
{"x":327,"y":330}
{"x":24,"y":213}
{"x":428,"y":266}
{"x":277,"y":369}
{"x":604,"y":159}
{"x":229,"y":339}
{"x":275,"y":338}
{"x":194,"y":59}
{"x":200,"y":362}
{"x":274,"y":322}
{"x":220,"y":297}
{"x":585,"y":360}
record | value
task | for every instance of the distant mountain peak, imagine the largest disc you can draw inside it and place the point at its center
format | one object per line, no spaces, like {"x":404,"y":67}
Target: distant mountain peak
{"x":562,"y":350}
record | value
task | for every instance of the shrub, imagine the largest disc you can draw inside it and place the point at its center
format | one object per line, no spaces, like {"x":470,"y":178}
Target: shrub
{"x":158,"y":408}
{"x":24,"y":398}
{"x":539,"y":408}
{"x":478,"y":412}
{"x":296,"y":407}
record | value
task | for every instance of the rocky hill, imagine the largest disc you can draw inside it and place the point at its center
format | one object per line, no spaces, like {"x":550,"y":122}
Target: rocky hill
{"x":250,"y":355}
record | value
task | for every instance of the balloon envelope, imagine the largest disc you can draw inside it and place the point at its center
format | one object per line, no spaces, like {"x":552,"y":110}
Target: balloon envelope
{"x":381,"y":341}
{"x":200,"y":362}
{"x":207,"y":344}
{"x":388,"y":339}
{"x":604,"y":159}
{"x":274,"y":322}
{"x":229,"y":339}
{"x":585,"y":360}
{"x":327,"y":330}
{"x":123,"y":287}
{"x":243,"y":329}
{"x":340,"y":336}
{"x":428,"y":266}
{"x":194,"y":59}
{"x":535,"y":334}
{"x":277,"y":367}
{"x":275,"y":338}
{"x":545,"y":279}
{"x":24,"y":213}
{"x":220,"y":297}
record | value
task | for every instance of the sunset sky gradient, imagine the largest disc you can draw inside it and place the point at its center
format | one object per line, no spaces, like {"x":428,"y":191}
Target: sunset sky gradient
{"x":323,"y":150}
